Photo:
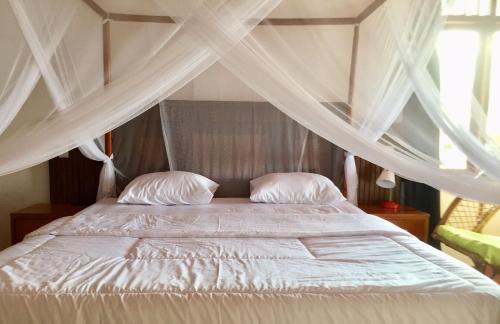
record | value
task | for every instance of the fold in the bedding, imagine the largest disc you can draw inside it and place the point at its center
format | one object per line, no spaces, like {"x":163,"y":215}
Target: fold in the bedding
{"x":223,"y":218}
{"x":234,"y":262}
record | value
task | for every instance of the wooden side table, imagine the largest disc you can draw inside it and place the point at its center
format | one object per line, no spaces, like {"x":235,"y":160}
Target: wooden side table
{"x":25,"y":221}
{"x":413,"y":220}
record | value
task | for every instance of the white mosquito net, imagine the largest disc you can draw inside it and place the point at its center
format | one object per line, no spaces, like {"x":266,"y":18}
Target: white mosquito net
{"x":399,"y":66}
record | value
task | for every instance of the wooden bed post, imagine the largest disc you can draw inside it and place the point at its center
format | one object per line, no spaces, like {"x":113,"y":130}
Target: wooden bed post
{"x":363,"y":167}
{"x":355,"y":42}
{"x":352,"y":76}
{"x":106,"y":48}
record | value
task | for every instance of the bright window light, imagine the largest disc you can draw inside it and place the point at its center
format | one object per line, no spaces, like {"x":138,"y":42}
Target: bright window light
{"x":457,"y":52}
{"x":466,"y":7}
{"x":493,"y":120}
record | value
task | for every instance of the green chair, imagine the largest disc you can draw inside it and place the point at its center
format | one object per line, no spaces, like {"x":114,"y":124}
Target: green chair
{"x":460,"y":229}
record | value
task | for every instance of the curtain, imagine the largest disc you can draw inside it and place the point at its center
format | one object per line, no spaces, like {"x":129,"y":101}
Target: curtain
{"x":418,"y":195}
{"x":424,"y":198}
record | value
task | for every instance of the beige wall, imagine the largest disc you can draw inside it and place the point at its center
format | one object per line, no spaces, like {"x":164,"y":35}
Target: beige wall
{"x":493,"y":227}
{"x":30,"y":186}
{"x":19,"y":190}
{"x":217,"y":83}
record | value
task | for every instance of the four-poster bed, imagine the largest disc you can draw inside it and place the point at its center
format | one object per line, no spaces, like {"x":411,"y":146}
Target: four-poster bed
{"x":244,"y":101}
{"x":233,"y":261}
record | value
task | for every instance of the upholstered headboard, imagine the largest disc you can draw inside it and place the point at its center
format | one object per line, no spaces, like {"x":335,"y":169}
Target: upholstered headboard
{"x":229,"y":142}
{"x":139,"y":148}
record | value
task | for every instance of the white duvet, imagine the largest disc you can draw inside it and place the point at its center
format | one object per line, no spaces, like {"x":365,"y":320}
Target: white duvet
{"x":236,"y":262}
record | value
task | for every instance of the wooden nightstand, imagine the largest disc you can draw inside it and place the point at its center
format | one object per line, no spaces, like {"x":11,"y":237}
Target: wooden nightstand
{"x":413,"y":220}
{"x":27,"y":220}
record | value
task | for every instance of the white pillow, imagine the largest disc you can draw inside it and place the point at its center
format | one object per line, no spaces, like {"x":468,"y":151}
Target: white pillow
{"x":169,"y":188}
{"x":294,"y":188}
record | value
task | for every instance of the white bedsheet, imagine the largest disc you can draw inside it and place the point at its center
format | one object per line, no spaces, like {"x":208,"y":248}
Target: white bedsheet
{"x":236,"y":262}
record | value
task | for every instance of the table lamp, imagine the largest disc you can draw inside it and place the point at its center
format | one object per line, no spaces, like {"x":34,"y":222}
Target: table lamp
{"x":387,"y":180}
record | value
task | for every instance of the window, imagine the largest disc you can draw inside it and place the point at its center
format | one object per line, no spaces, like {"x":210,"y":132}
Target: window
{"x":457,"y":52}
{"x":469,"y":63}
{"x":466,"y":7}
{"x":493,"y":121}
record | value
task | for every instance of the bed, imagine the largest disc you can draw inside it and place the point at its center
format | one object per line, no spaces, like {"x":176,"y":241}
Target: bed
{"x":233,"y":261}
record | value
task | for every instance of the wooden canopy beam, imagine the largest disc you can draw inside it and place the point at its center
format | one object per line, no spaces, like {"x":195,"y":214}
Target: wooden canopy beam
{"x":140,"y":18}
{"x":269,"y":21}
{"x":369,"y":10}
{"x":308,"y":21}
{"x":97,"y":9}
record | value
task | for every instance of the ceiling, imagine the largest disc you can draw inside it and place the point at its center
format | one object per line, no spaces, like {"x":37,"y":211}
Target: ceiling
{"x":286,"y":9}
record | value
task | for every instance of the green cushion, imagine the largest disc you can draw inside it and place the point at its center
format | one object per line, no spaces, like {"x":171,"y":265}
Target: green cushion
{"x":486,"y":246}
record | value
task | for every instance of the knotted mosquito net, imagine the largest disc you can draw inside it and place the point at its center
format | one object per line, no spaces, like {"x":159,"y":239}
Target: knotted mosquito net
{"x":410,"y":85}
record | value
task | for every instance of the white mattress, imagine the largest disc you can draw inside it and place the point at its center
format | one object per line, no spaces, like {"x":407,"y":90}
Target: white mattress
{"x":236,"y":262}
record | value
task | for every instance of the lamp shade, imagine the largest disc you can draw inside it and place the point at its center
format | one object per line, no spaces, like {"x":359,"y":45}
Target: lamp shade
{"x":386,"y":179}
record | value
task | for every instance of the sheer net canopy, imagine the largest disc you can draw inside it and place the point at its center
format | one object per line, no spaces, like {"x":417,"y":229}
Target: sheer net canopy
{"x":410,"y":85}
